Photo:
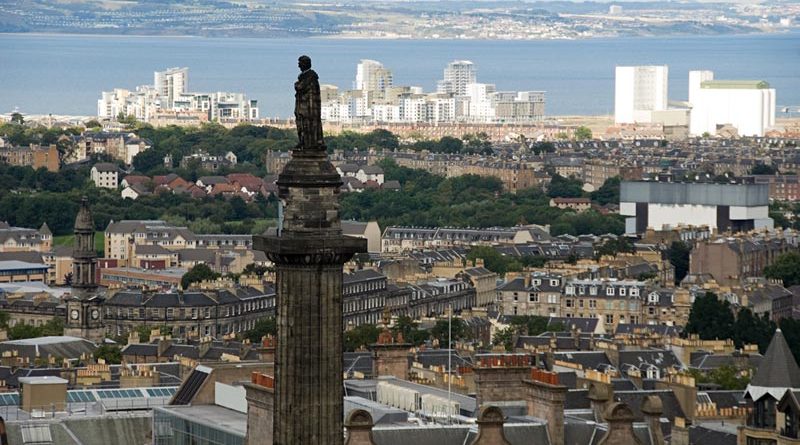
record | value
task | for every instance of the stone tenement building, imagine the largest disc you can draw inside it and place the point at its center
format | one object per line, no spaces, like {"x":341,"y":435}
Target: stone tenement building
{"x":34,"y":156}
{"x":190,"y":314}
{"x":731,"y":260}
{"x":614,"y":302}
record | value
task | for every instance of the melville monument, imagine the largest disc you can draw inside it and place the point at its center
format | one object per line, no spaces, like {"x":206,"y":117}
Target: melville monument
{"x":309,"y":252}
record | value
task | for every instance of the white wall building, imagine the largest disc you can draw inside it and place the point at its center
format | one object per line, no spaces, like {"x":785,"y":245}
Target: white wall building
{"x":371,"y":75}
{"x":168,"y":95}
{"x":640,"y":90}
{"x":171,"y":83}
{"x":105,"y":175}
{"x":457,"y":75}
{"x":480,"y":101}
{"x":748,"y":105}
{"x":723,"y":207}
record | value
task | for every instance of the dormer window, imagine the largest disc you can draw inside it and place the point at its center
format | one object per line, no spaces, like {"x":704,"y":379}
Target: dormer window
{"x":610,"y":291}
{"x":622,"y":291}
{"x":652,"y":298}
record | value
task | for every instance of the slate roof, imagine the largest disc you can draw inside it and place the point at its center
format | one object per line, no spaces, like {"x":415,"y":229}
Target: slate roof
{"x":663,"y":359}
{"x":778,"y":368}
{"x":672,"y":408}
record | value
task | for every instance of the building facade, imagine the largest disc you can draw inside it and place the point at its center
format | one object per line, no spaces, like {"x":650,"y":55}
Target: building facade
{"x":723,"y":207}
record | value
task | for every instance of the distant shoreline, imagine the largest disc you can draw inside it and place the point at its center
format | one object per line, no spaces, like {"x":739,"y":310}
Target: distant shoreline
{"x":334,"y":37}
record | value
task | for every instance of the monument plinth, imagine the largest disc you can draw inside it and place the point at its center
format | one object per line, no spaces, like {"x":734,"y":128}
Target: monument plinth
{"x":309,"y":252}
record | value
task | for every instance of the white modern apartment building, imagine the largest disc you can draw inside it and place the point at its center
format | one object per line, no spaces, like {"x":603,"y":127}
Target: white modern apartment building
{"x":171,"y":83}
{"x":457,"y":75}
{"x":459,"y":98}
{"x":169,"y":95}
{"x":371,"y":75}
{"x":747,"y":105}
{"x":639,"y":91}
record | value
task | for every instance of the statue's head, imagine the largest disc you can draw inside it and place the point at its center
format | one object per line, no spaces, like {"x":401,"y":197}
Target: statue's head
{"x":304,"y":62}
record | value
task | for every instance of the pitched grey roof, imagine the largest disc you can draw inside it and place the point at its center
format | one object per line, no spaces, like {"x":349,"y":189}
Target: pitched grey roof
{"x":778,"y":368}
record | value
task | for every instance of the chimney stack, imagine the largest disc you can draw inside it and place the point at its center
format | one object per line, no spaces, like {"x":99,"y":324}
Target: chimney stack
{"x":652,"y":408}
{"x":620,"y":426}
{"x":546,"y":401}
{"x":359,"y":428}
{"x":490,"y":427}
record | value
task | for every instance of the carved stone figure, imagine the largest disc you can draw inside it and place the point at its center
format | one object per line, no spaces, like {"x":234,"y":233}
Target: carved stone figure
{"x":307,"y":107}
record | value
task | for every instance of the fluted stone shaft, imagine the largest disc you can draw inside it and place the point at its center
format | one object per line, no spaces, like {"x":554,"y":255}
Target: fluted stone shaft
{"x":309,"y":254}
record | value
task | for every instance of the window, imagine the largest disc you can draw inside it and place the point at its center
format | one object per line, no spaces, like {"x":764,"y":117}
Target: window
{"x":580,"y":303}
{"x":533,"y":298}
{"x":554,"y":283}
{"x":570,"y":302}
{"x":552,"y":299}
{"x":634,"y":292}
{"x":610,"y":291}
{"x":653,"y":297}
{"x":592,"y":304}
{"x":170,"y":312}
{"x":609,"y":318}
{"x":593,"y":290}
{"x":622,"y":291}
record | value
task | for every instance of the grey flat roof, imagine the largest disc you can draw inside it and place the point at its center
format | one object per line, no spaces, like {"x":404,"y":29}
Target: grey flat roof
{"x":20,"y":265}
{"x":745,"y":195}
{"x":214,"y":416}
{"x":39,"y":341}
{"x":46,"y":380}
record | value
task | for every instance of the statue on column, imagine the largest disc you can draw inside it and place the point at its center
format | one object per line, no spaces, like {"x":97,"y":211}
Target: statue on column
{"x":308,"y":107}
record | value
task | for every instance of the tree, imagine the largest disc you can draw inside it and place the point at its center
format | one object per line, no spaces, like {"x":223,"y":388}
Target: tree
{"x":21,"y":331}
{"x":710,"y":318}
{"x":608,"y":193}
{"x":492,"y":259}
{"x":505,"y":338}
{"x":440,"y":331}
{"x":678,"y":255}
{"x":263,"y":327}
{"x":409,"y":330}
{"x":786,"y":267}
{"x":728,"y":377}
{"x":112,"y":354}
{"x":763,"y":169}
{"x":360,"y":336}
{"x":614,"y":246}
{"x":752,"y":329}
{"x":17,"y":118}
{"x":543,"y":147}
{"x":4,"y":318}
{"x":561,"y":187}
{"x":255,"y":269}
{"x":583,"y":133}
{"x":198,"y":273}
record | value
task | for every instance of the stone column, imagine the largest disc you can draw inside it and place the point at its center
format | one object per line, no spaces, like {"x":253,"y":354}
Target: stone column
{"x":309,"y":252}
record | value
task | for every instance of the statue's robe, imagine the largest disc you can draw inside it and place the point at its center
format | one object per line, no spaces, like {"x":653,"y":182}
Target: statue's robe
{"x":308,"y":111}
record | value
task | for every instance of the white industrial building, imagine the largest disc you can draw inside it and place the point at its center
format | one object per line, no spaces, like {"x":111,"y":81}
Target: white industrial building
{"x":639,"y":91}
{"x":723,"y":207}
{"x":747,"y":105}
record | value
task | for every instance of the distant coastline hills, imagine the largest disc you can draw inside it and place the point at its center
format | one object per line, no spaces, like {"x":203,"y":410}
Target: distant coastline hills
{"x":484,"y":20}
